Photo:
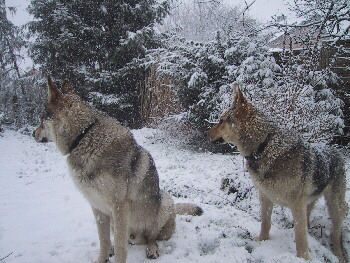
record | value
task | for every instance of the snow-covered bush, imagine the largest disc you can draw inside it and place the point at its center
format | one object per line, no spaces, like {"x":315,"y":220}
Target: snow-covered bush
{"x":203,"y":72}
{"x":300,"y":98}
{"x":294,"y":95}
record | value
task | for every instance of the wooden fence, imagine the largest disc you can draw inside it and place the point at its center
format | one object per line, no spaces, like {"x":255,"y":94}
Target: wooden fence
{"x":157,"y":98}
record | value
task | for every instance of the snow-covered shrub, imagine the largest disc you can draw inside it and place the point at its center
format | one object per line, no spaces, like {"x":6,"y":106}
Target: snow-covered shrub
{"x":294,"y":95}
{"x":204,"y":70}
{"x":300,"y":98}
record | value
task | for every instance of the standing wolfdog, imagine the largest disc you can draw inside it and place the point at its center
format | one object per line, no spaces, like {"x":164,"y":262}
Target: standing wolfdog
{"x":286,"y":170}
{"x":116,"y":175}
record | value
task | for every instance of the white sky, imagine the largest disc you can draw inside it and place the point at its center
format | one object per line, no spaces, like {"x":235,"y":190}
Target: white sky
{"x":22,"y":16}
{"x":265,"y":9}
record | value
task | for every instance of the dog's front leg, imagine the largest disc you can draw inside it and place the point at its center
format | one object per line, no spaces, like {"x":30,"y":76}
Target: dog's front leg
{"x":121,"y":216}
{"x":266,"y":211}
{"x":299,"y":211}
{"x":103,"y":228}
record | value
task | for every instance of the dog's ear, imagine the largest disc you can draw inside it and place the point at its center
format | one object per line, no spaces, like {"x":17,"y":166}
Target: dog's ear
{"x":67,"y":87}
{"x":53,"y":92}
{"x":240,"y":103}
{"x":238,"y":99}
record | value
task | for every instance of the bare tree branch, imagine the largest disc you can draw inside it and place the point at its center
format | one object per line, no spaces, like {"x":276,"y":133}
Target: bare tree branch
{"x":246,"y":9}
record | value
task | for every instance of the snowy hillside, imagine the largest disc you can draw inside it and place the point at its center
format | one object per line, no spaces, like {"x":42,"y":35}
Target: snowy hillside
{"x":44,"y":219}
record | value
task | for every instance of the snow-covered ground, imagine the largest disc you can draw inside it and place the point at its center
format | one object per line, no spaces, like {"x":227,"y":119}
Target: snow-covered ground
{"x":44,"y":219}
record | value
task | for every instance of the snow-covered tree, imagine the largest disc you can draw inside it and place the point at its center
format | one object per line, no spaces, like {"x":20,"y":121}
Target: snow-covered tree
{"x":200,"y":20}
{"x":16,"y":96}
{"x":96,"y":43}
{"x":204,"y":70}
{"x":329,"y":17}
{"x":11,"y":42}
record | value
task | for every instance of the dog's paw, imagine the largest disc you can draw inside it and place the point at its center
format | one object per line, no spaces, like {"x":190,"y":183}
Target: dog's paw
{"x":152,"y":251}
{"x":261,"y":238}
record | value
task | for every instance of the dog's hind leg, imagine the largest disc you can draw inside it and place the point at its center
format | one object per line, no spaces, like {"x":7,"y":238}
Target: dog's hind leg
{"x":121,"y":213}
{"x":103,"y":229}
{"x":338,"y":208}
{"x":299,"y":211}
{"x":266,"y":211}
{"x":167,"y":230}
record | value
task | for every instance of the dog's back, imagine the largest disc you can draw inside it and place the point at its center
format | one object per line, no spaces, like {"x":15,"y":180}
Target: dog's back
{"x":323,"y":164}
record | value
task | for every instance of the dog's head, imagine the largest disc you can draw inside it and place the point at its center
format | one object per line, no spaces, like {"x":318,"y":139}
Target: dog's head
{"x":231,"y":124}
{"x":44,"y":132}
{"x":59,"y":120}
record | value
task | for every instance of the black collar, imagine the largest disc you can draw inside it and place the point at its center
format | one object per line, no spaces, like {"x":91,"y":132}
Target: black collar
{"x":81,"y":136}
{"x":257,"y":154}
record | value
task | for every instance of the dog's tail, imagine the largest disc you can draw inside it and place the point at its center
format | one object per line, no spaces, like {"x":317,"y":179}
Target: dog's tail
{"x":188,"y":209}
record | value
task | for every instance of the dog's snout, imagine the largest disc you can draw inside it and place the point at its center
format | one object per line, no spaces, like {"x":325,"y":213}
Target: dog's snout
{"x":44,"y":139}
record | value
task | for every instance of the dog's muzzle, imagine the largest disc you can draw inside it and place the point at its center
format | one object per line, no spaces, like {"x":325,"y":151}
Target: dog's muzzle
{"x":37,"y":135}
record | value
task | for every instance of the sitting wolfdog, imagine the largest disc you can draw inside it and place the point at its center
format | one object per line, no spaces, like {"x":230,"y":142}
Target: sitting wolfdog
{"x":286,"y":170}
{"x":116,"y":175}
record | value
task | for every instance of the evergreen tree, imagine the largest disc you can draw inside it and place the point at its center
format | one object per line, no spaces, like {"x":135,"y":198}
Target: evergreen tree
{"x":96,"y":43}
{"x":12,"y":93}
{"x":11,"y":42}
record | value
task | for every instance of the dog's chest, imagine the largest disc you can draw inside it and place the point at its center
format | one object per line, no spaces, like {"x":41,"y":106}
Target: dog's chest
{"x":102,"y":190}
{"x":93,"y":193}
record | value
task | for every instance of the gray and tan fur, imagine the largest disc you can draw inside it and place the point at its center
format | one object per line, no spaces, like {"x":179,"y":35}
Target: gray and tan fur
{"x":116,"y":175}
{"x":286,"y":171}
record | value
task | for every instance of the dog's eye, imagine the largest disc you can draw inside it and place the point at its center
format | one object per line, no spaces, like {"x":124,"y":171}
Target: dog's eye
{"x":221,"y":121}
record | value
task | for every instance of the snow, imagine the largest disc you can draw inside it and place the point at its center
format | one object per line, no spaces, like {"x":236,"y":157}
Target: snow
{"x":44,"y":219}
{"x":105,"y":99}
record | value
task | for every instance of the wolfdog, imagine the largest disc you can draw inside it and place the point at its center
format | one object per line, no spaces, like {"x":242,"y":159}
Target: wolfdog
{"x":286,"y":170}
{"x":116,"y":175}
